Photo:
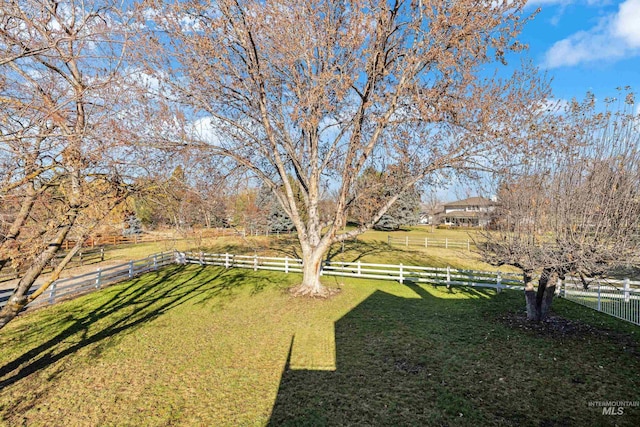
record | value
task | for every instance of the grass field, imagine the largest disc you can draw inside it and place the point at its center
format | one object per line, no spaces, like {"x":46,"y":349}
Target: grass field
{"x":194,"y":346}
{"x":370,"y":247}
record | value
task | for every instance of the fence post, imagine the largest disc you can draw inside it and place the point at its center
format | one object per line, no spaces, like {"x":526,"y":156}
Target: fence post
{"x":130,"y":269}
{"x":401,"y":275}
{"x":599,"y":298}
{"x":407,"y":241}
{"x":155,"y":262}
{"x":226,"y":260}
{"x":446,"y":243}
{"x":201,"y":258}
{"x":98,"y":278}
{"x":52,"y":293}
{"x":255,"y":262}
{"x":626,"y":289}
{"x":102,"y":253}
{"x":448,"y":277}
{"x":558,"y":287}
{"x":359,"y":269}
{"x":286,"y":264}
{"x":80,"y":256}
{"x":499,"y":282}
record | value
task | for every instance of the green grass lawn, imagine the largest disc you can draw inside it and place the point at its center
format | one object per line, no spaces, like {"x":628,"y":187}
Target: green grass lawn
{"x":196,"y":346}
{"x":369,"y":247}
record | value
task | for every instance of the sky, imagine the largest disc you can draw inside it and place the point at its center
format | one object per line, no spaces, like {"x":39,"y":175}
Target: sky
{"x":586,"y":45}
{"x":583,"y":46}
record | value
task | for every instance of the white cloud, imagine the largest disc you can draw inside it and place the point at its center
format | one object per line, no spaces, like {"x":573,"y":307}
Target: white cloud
{"x":553,"y":105}
{"x":615,"y":36}
{"x":543,"y":3}
{"x":537,"y":3}
{"x":627,"y":23}
{"x":205,"y":129}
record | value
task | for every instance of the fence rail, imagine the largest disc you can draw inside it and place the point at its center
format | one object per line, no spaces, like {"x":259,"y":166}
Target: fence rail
{"x":84,"y":256}
{"x":62,"y":288}
{"x":431,"y":242}
{"x":116,"y":240}
{"x":618,"y":298}
{"x":439,"y":276}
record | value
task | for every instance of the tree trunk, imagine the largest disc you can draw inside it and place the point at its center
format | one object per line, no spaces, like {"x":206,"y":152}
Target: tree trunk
{"x":18,"y":222}
{"x":19,"y":297}
{"x":530,"y":296}
{"x":312,"y":265}
{"x":312,"y":258}
{"x":539,"y":301}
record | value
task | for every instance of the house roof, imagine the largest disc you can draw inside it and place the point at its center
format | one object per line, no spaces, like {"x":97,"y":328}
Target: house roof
{"x":471,"y":201}
{"x":463,"y":214}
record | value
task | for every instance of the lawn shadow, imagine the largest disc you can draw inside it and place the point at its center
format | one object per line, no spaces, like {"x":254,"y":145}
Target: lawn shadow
{"x":358,"y":249}
{"x":281,"y":246}
{"x":387,"y":372}
{"x":129,"y":307}
{"x":430,"y":359}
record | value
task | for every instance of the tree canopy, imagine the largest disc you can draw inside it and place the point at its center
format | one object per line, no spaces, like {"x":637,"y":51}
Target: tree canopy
{"x":321,"y":90}
{"x":575,"y":212}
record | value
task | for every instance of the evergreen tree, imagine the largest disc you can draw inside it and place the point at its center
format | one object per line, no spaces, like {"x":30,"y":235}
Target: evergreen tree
{"x":276,"y":220}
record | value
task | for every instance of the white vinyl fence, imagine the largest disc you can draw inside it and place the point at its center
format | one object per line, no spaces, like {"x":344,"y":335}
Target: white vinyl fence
{"x":430,"y":242}
{"x":62,"y":288}
{"x":441,"y":276}
{"x":618,"y":298}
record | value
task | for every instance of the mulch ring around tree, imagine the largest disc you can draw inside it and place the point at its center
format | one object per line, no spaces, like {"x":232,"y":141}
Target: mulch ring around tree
{"x":559,"y":327}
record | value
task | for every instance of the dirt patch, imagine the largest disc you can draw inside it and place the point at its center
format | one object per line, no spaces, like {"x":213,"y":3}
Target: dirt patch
{"x":559,"y":327}
{"x":553,"y":325}
{"x":323,"y":293}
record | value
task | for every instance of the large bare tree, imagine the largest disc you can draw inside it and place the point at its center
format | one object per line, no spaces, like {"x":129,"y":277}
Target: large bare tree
{"x":321,"y":90}
{"x":573,"y":212}
{"x":62,"y":129}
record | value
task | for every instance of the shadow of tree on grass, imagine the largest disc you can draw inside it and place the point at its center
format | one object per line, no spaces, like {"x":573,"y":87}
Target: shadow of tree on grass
{"x":124,"y":308}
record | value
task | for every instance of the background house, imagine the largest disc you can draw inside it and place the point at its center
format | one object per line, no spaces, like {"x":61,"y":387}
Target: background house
{"x":471,"y":212}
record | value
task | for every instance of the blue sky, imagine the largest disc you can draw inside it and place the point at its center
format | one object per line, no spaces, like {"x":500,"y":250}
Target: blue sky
{"x":582,"y":45}
{"x":586,"y":45}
